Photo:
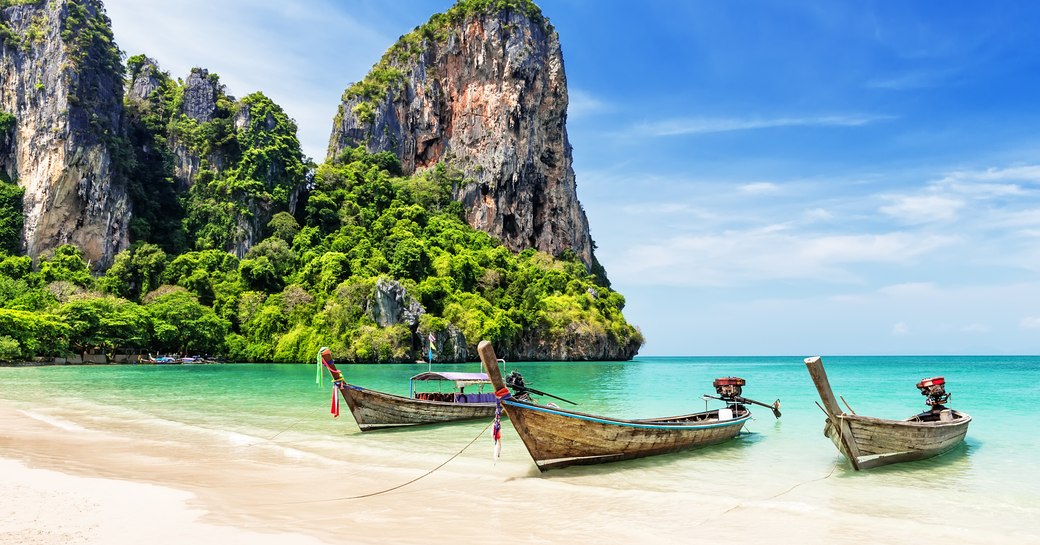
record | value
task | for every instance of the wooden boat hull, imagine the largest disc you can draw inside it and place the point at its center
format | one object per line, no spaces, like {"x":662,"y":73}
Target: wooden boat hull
{"x":375,"y":410}
{"x":881,"y":442}
{"x":868,"y":442}
{"x":558,"y":438}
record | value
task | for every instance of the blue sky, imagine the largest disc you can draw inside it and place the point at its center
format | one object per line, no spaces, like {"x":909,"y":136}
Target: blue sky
{"x":761,"y":178}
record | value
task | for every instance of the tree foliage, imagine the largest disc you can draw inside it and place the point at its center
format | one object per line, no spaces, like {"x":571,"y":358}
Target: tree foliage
{"x":365,"y":235}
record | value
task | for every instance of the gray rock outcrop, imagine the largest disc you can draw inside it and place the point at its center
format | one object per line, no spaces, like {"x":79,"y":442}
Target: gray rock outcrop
{"x":391,"y":305}
{"x":200,"y":104}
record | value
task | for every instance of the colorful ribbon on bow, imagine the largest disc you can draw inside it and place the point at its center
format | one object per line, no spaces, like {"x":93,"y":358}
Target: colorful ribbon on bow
{"x":496,"y":427}
{"x":325,"y":359}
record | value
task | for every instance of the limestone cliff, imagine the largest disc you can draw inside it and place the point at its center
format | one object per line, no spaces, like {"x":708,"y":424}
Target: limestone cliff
{"x":482,"y":89}
{"x":238,"y":161}
{"x":61,"y":79}
{"x":199,"y":104}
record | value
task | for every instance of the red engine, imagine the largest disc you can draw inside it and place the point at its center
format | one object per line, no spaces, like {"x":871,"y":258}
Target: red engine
{"x":934,"y":390}
{"x":728,"y":387}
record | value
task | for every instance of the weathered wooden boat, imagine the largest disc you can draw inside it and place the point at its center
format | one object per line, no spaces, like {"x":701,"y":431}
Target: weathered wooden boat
{"x":558,"y":437}
{"x":872,"y":442}
{"x":375,"y":410}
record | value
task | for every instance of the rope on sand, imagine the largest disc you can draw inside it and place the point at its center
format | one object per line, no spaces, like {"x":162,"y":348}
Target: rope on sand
{"x":402,"y":485}
{"x":773,"y":497}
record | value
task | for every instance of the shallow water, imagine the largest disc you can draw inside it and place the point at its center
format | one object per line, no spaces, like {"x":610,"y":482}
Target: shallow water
{"x":783,"y":469}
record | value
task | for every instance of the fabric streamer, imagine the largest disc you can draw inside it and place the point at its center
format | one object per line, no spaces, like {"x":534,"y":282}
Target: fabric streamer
{"x":325,"y":359}
{"x":335,"y":401}
{"x":496,"y":428}
{"x":317,"y":378}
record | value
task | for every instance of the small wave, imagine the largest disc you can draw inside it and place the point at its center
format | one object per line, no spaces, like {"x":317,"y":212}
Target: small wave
{"x":56,"y":422}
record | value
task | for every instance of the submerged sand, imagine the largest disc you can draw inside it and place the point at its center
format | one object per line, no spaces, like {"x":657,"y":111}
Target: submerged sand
{"x":65,"y":483}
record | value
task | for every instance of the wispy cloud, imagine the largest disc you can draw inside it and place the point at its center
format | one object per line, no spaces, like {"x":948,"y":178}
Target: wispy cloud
{"x":1030,"y":322}
{"x":992,"y":181}
{"x":817,"y":214}
{"x":707,"y":125}
{"x":920,"y":79}
{"x":772,"y":252}
{"x":922,"y":209}
{"x":760,"y":188}
{"x":900,"y":328}
{"x":582,"y":103}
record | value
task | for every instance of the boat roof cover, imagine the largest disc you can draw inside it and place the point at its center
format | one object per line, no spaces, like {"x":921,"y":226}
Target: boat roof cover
{"x":459,"y":378}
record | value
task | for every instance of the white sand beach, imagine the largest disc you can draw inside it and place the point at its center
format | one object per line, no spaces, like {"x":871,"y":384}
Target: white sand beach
{"x":64,"y":482}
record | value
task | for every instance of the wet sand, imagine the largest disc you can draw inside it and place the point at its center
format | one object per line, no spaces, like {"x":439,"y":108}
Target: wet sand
{"x":137,"y":483}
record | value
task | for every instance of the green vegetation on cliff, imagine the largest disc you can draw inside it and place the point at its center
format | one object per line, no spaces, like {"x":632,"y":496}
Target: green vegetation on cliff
{"x":249,"y":164}
{"x":158,"y":210}
{"x":315,"y":280}
{"x":11,"y":218}
{"x":265,"y":170}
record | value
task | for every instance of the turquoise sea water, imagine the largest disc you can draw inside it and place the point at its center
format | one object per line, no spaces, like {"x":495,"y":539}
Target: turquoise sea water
{"x":991,"y":481}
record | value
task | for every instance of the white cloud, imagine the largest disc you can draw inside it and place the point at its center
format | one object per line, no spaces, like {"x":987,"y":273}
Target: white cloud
{"x":760,"y":188}
{"x":707,"y":125}
{"x":900,"y":328}
{"x":881,"y":248}
{"x":817,"y":214}
{"x":911,"y":80}
{"x":772,"y":252}
{"x":582,"y":103}
{"x":922,"y":209}
{"x":976,"y":328}
{"x":1030,"y":322}
{"x":1021,"y":173}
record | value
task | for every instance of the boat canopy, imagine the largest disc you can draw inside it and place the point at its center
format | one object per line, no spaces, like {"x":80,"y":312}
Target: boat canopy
{"x":460,"y":379}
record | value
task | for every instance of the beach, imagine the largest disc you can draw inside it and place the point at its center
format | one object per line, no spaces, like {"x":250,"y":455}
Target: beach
{"x":79,"y":469}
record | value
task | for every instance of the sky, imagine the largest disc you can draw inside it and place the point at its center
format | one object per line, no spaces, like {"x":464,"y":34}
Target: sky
{"x":777,"y":177}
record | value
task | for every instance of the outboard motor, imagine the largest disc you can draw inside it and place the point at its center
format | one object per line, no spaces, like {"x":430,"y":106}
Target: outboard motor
{"x":515,"y":382}
{"x":934,"y":390}
{"x":729,"y":388}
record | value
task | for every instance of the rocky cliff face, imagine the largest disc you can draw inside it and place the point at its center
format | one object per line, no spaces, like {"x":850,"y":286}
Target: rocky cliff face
{"x":199,"y":104}
{"x":485,"y":92}
{"x":61,"y":78}
{"x":222,"y":152}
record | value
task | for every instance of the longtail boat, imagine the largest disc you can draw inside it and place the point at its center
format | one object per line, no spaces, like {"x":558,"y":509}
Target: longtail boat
{"x":375,"y":410}
{"x":558,"y":437}
{"x":869,"y":442}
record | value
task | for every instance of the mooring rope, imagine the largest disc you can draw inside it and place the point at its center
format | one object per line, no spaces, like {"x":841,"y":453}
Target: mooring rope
{"x":392,"y":488}
{"x":292,"y":425}
{"x":773,"y":497}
